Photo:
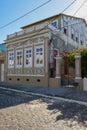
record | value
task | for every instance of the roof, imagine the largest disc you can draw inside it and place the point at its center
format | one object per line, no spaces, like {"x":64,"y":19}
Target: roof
{"x":52,"y":17}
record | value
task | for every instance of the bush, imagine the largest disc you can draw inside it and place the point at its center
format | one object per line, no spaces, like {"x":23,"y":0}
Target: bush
{"x":71,"y":58}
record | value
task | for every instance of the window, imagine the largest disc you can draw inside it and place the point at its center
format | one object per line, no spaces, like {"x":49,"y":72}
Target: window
{"x":72,"y":36}
{"x":81,"y":39}
{"x":72,"y":33}
{"x":19,"y":58}
{"x":65,"y":25}
{"x":11,"y":59}
{"x":81,"y":42}
{"x":65,"y":31}
{"x":55,"y":24}
{"x":28,"y":57}
{"x":39,"y":56}
{"x":77,"y":37}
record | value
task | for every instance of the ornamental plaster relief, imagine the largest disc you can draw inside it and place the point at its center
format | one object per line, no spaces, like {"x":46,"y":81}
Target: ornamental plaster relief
{"x":28,"y":43}
{"x":10,"y":71}
{"x":10,"y":47}
{"x":38,"y":40}
{"x":19,"y":45}
{"x":18,"y":71}
{"x":28,"y":71}
{"x":39,"y":71}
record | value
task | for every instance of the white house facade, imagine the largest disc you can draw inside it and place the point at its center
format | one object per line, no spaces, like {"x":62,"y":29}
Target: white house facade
{"x":31,"y":52}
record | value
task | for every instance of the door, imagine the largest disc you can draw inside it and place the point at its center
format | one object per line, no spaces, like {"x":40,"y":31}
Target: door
{"x":2,"y":72}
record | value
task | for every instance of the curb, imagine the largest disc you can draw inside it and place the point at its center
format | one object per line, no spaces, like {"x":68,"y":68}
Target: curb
{"x":46,"y":96}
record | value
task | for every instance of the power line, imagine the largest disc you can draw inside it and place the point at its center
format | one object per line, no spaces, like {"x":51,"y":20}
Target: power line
{"x":73,"y":15}
{"x":25,"y":14}
{"x":55,"y":18}
{"x":60,"y":13}
{"x":69,"y":6}
{"x":36,"y":9}
{"x":80,"y":7}
{"x":33,"y":11}
{"x":65,"y":9}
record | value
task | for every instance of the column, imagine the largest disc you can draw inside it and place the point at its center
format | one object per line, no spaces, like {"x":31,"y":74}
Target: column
{"x":58,"y":66}
{"x":77,"y":66}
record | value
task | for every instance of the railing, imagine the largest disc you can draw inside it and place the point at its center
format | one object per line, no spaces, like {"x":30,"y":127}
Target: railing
{"x":34,"y":28}
{"x":11,"y":35}
{"x":20,"y":33}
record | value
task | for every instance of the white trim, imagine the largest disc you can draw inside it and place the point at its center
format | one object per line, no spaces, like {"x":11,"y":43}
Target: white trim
{"x":38,"y":43}
{"x":58,"y":77}
{"x":19,"y":47}
{"x":2,"y":72}
{"x":10,"y":48}
{"x":24,"y":75}
{"x":28,"y":37}
{"x":8,"y":55}
{"x":16,"y":65}
{"x":12,"y":43}
{"x":29,"y":65}
{"x":46,"y":56}
{"x":28,"y":45}
{"x":77,"y":56}
{"x":78,"y":78}
{"x":35,"y":47}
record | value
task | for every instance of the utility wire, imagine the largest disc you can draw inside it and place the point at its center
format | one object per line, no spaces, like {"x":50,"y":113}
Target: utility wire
{"x":53,"y":19}
{"x":65,"y":9}
{"x":25,"y":14}
{"x":73,"y":15}
{"x":80,"y":7}
{"x":69,"y":6}
{"x":60,"y":13}
{"x":49,"y":22}
{"x":33,"y":11}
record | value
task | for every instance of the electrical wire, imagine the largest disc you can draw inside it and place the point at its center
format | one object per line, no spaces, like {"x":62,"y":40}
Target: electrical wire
{"x":65,"y":9}
{"x":33,"y":11}
{"x":60,"y":13}
{"x":80,"y":7}
{"x":49,"y":22}
{"x":25,"y":14}
{"x":69,"y":6}
{"x":73,"y":15}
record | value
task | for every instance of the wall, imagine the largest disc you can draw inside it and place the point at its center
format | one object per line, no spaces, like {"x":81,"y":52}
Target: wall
{"x":31,"y":80}
{"x":35,"y":75}
{"x":75,"y":26}
{"x":54,"y":82}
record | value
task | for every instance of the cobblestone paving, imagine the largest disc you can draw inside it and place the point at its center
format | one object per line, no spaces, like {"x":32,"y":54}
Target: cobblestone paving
{"x":20,"y":112}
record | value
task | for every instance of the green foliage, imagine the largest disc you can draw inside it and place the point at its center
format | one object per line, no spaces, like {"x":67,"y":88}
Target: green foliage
{"x":71,"y":59}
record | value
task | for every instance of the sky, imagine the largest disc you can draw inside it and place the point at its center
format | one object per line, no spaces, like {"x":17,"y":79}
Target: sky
{"x":13,"y":9}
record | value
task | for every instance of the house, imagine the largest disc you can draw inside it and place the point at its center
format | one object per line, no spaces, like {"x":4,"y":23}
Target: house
{"x":2,"y":61}
{"x":31,"y":52}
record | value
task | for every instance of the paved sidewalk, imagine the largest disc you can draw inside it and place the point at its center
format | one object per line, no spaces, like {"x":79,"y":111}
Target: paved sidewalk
{"x":64,"y":92}
{"x":30,"y":112}
{"x":26,"y":112}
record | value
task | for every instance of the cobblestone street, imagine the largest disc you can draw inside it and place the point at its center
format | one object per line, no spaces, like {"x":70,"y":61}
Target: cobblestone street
{"x":24,"y":112}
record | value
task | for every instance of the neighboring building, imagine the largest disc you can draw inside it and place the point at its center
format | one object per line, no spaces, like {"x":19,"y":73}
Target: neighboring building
{"x":3,"y":47}
{"x":31,"y":52}
{"x":2,"y":61}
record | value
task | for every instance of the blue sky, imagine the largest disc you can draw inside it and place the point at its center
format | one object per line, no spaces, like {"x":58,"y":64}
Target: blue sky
{"x":12,"y":9}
